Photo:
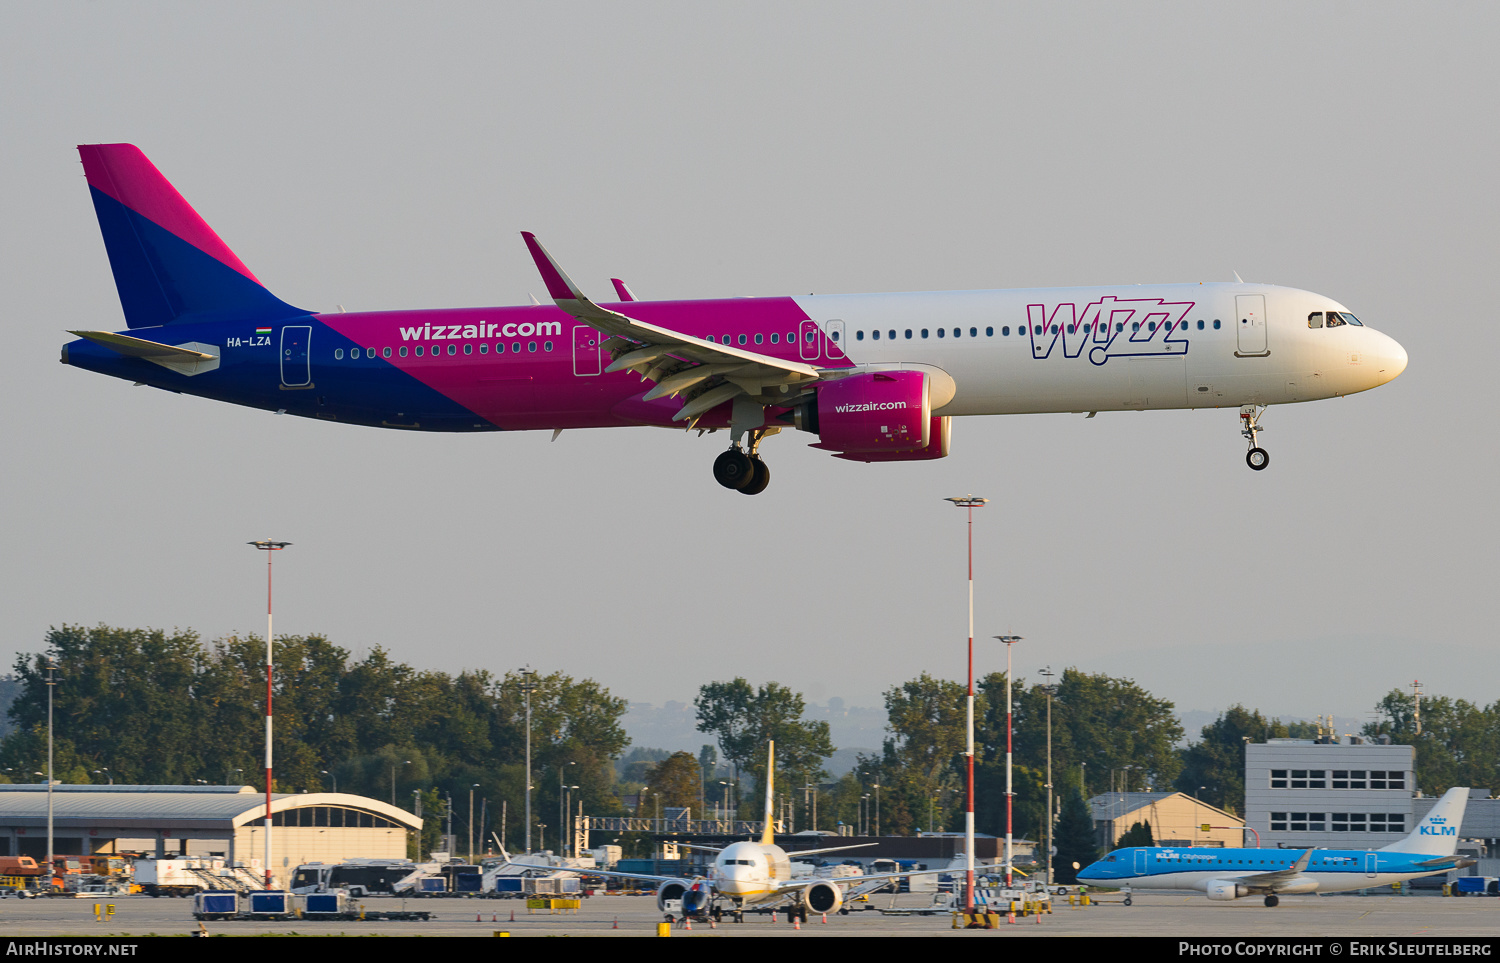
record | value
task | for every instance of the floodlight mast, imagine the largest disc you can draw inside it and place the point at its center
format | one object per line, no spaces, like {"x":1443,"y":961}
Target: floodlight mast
{"x":970,"y":502}
{"x":268,"y":546}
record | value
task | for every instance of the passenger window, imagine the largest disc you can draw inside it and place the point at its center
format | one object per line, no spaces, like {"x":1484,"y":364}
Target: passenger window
{"x":419,"y":351}
{"x":499,"y":347}
{"x":547,"y":346}
{"x":875,"y":335}
{"x":369,"y":352}
{"x":858,"y":336}
{"x":403,"y":351}
{"x":1216,"y":324}
{"x":973,"y":332}
{"x":776,"y":338}
{"x":743,"y":339}
{"x":760,"y":338}
{"x":484,"y":347}
{"x":908,"y":334}
{"x":891,"y":334}
{"x":989,"y":332}
{"x":1005,"y":331}
{"x":338,"y":354}
{"x":924,"y":332}
{"x":468,"y":349}
{"x":385,"y":352}
{"x":942,"y":332}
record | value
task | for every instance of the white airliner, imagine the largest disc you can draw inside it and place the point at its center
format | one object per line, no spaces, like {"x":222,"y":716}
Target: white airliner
{"x":749,"y":874}
{"x":876,"y":377}
{"x":1227,"y":874}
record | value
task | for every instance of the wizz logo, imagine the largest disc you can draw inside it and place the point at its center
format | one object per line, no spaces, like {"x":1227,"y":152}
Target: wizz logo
{"x":1110,"y":328}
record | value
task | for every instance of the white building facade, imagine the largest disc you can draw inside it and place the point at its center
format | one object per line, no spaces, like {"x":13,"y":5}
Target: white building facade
{"x":1337,"y":795}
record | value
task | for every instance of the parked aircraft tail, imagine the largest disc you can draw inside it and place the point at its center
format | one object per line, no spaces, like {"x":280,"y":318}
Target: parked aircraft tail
{"x":1437,"y":833}
{"x":768,"y":834}
{"x":169,"y":265}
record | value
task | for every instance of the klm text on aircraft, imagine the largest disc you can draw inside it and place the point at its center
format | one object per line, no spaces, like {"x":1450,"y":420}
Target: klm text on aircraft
{"x":876,"y":377}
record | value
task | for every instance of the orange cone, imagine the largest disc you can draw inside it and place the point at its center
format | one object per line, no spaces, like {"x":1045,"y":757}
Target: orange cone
{"x":825,"y":919}
{"x":617,"y":924}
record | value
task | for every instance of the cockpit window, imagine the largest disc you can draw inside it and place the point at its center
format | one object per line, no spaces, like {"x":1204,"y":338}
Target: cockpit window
{"x":1351,"y":319}
{"x":1315,"y":320}
{"x":1334,"y":319}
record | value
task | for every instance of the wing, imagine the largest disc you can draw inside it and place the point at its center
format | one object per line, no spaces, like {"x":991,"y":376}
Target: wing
{"x":1270,"y":881}
{"x":786,"y":887}
{"x":705,"y":373}
{"x":592,"y":872}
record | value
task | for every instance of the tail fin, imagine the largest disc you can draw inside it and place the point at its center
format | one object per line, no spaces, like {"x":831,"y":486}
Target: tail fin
{"x":768,"y":835}
{"x":1437,"y":833}
{"x":169,"y":265}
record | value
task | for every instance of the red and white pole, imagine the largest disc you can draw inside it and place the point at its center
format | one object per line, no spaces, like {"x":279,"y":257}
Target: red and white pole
{"x":970,"y":502}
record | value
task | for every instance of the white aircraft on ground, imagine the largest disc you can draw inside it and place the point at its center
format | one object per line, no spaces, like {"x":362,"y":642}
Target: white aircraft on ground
{"x":750,"y":874}
{"x":1227,"y":874}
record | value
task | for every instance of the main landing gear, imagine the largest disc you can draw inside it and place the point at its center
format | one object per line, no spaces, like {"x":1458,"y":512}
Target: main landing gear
{"x":1257,"y":457}
{"x":1271,"y":899}
{"x":742,"y":470}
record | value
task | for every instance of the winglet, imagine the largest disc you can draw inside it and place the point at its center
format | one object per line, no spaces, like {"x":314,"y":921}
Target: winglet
{"x":559,"y":285}
{"x":622,"y":289}
{"x":768,"y":835}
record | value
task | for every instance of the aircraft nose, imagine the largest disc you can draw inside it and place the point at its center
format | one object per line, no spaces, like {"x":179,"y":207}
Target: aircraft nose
{"x":1391,"y":357}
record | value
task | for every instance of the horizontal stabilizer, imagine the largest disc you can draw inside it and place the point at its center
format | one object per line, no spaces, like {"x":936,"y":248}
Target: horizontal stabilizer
{"x":184,"y":359}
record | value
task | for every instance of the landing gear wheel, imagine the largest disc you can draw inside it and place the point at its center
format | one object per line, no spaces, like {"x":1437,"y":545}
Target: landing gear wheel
{"x":733,"y":469}
{"x":1127,"y":900}
{"x":1272,"y":900}
{"x":1258,"y":458}
{"x":759,"y":479}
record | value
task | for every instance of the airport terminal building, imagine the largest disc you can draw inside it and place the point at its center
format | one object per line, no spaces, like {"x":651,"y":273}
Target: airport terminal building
{"x":228,"y":821}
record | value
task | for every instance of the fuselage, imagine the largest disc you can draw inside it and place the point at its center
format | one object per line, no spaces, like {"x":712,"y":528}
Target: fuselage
{"x":1006,"y":352}
{"x":1328,"y":870}
{"x":749,"y":873}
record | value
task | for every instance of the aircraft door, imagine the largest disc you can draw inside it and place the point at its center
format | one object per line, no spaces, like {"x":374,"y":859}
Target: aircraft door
{"x":1140,"y":862}
{"x":1370,"y":864}
{"x":1250,"y":324}
{"x":835,"y":340}
{"x":296,"y":370}
{"x":809,"y":340}
{"x":587,"y":351}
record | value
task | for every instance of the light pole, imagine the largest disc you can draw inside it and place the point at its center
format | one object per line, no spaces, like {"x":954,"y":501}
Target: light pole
{"x":970,"y":502}
{"x":332,"y":776}
{"x":472,"y":787}
{"x":1048,"y":688}
{"x":268,"y":546}
{"x":51,"y":856}
{"x":528,"y":686}
{"x":1010,"y":641}
{"x":562,"y":805}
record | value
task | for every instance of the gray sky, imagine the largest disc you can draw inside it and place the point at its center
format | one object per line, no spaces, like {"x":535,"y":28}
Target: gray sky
{"x":386,"y":156}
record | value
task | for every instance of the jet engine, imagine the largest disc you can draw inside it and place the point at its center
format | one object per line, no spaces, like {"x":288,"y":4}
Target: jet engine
{"x":693,"y":894}
{"x":939,"y":435}
{"x":1226,"y":889}
{"x":876,"y":411}
{"x":823,"y":897}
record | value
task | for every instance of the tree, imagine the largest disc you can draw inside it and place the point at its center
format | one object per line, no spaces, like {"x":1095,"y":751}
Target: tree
{"x":676,"y":779}
{"x":746,"y":719}
{"x":1075,"y":839}
{"x":1139,"y":834}
{"x":1213,"y":769}
{"x":1459,"y":744}
{"x":924,"y":755}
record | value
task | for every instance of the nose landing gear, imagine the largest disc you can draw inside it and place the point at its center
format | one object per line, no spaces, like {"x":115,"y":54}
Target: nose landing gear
{"x":1257,"y":457}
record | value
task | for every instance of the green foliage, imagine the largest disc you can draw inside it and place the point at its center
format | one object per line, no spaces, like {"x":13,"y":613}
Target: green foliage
{"x":677,"y":780}
{"x":1075,"y":839}
{"x":158,"y":707}
{"x":746,"y":719}
{"x":1459,"y":744}
{"x":1139,"y":834}
{"x":1213,"y":769}
{"x":922,"y":765}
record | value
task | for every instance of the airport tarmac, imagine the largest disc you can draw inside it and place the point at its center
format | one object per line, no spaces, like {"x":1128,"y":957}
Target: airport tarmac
{"x":1153,"y":915}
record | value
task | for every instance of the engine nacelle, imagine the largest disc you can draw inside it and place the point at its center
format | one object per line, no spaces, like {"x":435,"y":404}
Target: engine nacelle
{"x":676,"y":890}
{"x":878,"y":411}
{"x":939,"y":436}
{"x":823,"y":897}
{"x":1226,"y":889}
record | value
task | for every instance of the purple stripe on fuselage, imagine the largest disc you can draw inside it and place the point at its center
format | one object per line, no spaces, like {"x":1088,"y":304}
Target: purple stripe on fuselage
{"x":525,"y":387}
{"x":125,"y":174}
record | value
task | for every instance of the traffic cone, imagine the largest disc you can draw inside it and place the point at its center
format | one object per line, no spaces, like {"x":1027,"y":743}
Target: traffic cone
{"x":512,"y":915}
{"x":478,"y":917}
{"x":796,"y":922}
{"x":825,"y":919}
{"x":773,"y":916}
{"x":617,"y":924}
